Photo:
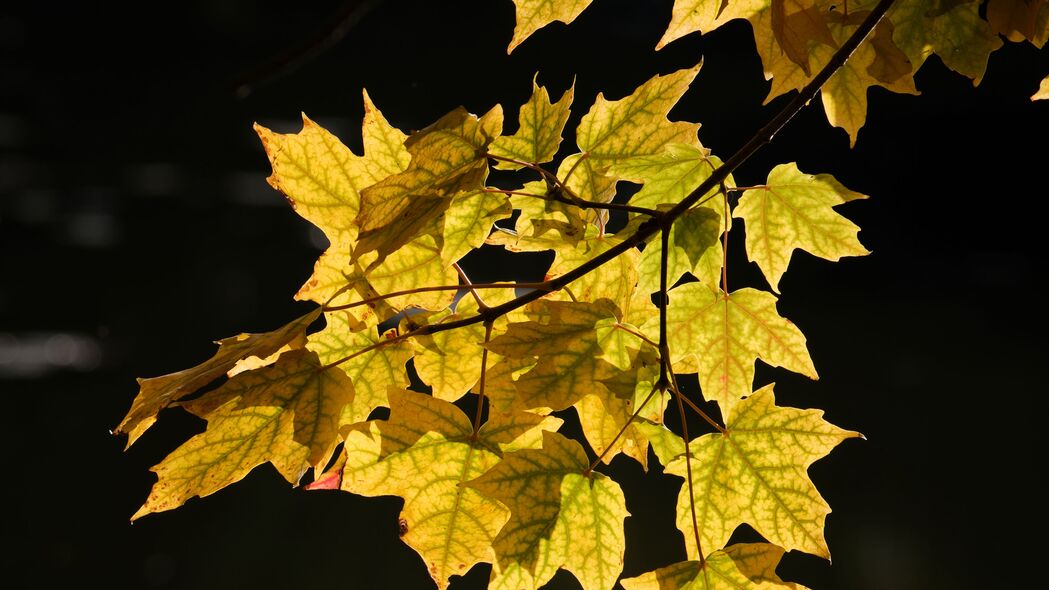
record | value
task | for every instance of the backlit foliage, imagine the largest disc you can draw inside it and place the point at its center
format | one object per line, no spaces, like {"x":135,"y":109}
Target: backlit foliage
{"x":619,"y":315}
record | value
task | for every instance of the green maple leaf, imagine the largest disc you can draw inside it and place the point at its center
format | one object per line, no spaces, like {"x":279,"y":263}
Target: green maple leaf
{"x":560,"y":517}
{"x":287,"y":414}
{"x":955,"y":32}
{"x":746,"y":566}
{"x":794,"y":210}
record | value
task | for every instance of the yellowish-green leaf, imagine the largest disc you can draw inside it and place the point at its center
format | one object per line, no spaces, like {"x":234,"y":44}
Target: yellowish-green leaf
{"x":322,"y":179}
{"x":603,"y":417}
{"x":543,"y":224}
{"x":287,"y":413}
{"x":615,"y":280}
{"x":539,"y":132}
{"x":1020,"y":19}
{"x":637,"y":125}
{"x":583,"y":178}
{"x":416,"y":264}
{"x":565,"y":343}
{"x":705,"y":15}
{"x":757,"y":474}
{"x":796,"y":24}
{"x":372,"y":372}
{"x":1043,"y":90}
{"x":468,"y":221}
{"x":516,"y":430}
{"x":727,"y":333}
{"x":499,"y":380}
{"x":157,"y":393}
{"x":533,"y":15}
{"x":450,"y":361}
{"x":668,"y":176}
{"x":958,"y":35}
{"x":559,"y":517}
{"x":447,"y":158}
{"x":794,"y":210}
{"x":746,"y":566}
{"x":424,"y":456}
{"x":694,"y":247}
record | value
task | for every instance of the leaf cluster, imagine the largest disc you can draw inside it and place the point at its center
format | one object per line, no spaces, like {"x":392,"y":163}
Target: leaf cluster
{"x":637,"y":293}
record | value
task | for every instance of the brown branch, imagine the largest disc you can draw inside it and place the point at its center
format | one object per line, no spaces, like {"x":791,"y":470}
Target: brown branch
{"x":480,"y":386}
{"x":622,"y":430}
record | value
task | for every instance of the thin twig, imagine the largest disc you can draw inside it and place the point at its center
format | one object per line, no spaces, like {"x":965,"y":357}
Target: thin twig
{"x":539,"y":286}
{"x":480,"y":385}
{"x":622,"y":430}
{"x":469,"y":285}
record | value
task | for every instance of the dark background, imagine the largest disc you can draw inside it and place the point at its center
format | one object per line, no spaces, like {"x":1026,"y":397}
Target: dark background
{"x":136,"y":227}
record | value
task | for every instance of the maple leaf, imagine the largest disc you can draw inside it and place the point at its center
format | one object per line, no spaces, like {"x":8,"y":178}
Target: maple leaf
{"x":794,"y":210}
{"x":726,"y":333}
{"x":756,"y":473}
{"x":1017,"y":20}
{"x":469,"y":220}
{"x":322,"y":179}
{"x":1043,"y":90}
{"x":604,"y":417}
{"x":447,"y":157}
{"x":561,"y":516}
{"x":614,"y":281}
{"x":956,"y":33}
{"x":564,"y":342}
{"x":424,"y":454}
{"x":533,"y":15}
{"x":745,"y":566}
{"x":450,"y":362}
{"x":372,"y":371}
{"x":539,"y":130}
{"x":157,"y":393}
{"x":637,"y":124}
{"x":287,"y":413}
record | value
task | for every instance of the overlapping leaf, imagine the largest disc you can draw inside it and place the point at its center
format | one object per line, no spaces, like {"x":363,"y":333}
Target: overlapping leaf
{"x":287,"y":414}
{"x":746,"y":566}
{"x":756,"y":473}
{"x":726,"y":333}
{"x":447,"y":158}
{"x":323,"y":179}
{"x":157,"y":393}
{"x":424,"y":454}
{"x":794,"y":210}
{"x":376,"y":365}
{"x":564,"y":342}
{"x":560,"y":517}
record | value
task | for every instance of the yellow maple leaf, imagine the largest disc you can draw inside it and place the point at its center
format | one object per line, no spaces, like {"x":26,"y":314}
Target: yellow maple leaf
{"x":756,"y":473}
{"x":561,"y":516}
{"x":538,"y":136}
{"x":157,"y":393}
{"x":287,"y":413}
{"x":424,"y":454}
{"x":637,"y":125}
{"x":447,"y":158}
{"x":726,"y":333}
{"x":793,"y":210}
{"x":745,"y":566}
{"x":614,"y":280}
{"x":323,"y":179}
{"x":372,"y":372}
{"x":564,"y":342}
{"x":1043,"y":90}
{"x":533,"y":15}
{"x":469,"y":220}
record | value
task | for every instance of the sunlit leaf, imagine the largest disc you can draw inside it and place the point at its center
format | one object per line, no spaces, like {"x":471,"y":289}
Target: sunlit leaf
{"x":746,"y":566}
{"x":533,"y":15}
{"x":539,"y":130}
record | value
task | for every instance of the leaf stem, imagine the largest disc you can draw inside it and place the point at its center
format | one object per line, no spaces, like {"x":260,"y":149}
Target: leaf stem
{"x":677,"y":390}
{"x":471,"y":286}
{"x":481,"y":305}
{"x":642,"y":337}
{"x":622,"y":430}
{"x":480,"y":385}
